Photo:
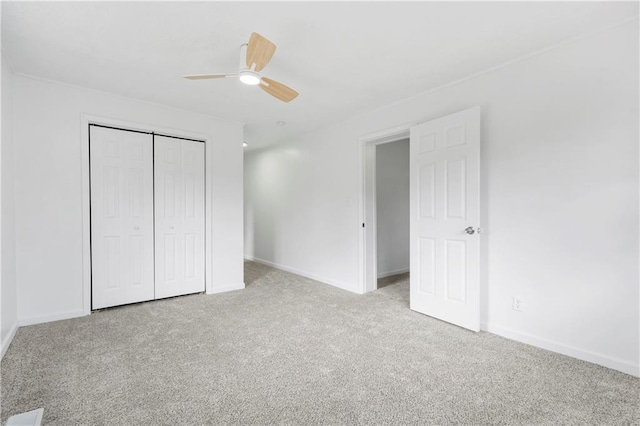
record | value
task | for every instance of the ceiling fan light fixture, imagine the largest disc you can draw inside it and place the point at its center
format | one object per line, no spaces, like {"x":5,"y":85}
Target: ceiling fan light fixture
{"x":249,"y":77}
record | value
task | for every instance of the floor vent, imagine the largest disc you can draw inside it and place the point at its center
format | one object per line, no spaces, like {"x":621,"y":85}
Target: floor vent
{"x":30,"y":418}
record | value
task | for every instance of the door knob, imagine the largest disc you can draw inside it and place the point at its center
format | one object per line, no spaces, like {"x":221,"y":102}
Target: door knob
{"x":136,"y":228}
{"x":171,"y":227}
{"x":469,"y":230}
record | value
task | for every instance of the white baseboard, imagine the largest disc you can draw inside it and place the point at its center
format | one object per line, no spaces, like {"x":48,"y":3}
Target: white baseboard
{"x":604,"y":360}
{"x":225,"y":288}
{"x":392,"y":273}
{"x":305,"y":274}
{"x":6,"y":342}
{"x":49,"y":318}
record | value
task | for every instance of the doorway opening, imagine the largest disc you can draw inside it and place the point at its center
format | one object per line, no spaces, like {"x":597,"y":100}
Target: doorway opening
{"x":385,"y":208}
{"x":392,"y":217}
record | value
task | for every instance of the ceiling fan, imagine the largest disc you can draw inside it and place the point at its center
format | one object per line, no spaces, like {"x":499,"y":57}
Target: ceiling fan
{"x":254,"y":56}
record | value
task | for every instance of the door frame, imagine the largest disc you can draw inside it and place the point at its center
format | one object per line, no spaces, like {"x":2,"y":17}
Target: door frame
{"x":85,"y":121}
{"x":368,"y":270}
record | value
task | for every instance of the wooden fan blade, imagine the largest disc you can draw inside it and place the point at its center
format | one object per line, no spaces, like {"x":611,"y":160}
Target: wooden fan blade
{"x":207,"y":76}
{"x":259,"y":51}
{"x":278,"y":90}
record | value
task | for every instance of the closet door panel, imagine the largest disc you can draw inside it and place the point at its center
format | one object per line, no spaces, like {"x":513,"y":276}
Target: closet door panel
{"x":121,"y":217}
{"x":193,"y":216}
{"x":167,"y":218}
{"x":179,"y":220}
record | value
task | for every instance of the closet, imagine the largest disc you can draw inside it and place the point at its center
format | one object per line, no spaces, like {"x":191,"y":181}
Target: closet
{"x":147,"y":216}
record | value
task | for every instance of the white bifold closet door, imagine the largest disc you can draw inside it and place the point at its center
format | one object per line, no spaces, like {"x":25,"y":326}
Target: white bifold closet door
{"x":121,"y":217}
{"x":179,"y":216}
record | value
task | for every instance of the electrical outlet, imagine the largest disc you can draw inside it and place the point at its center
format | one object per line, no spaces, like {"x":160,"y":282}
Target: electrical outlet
{"x":517,"y":304}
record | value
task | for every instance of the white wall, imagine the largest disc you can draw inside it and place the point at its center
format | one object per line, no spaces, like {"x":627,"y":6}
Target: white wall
{"x":8,"y":290}
{"x":48,"y":179}
{"x":392,"y":207}
{"x":301,"y":208}
{"x":559,"y":193}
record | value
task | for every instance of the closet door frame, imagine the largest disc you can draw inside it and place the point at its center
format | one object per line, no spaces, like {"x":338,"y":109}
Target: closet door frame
{"x":85,"y":121}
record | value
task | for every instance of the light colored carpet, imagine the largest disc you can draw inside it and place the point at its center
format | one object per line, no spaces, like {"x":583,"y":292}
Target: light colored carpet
{"x":288,"y":350}
{"x":395,"y":287}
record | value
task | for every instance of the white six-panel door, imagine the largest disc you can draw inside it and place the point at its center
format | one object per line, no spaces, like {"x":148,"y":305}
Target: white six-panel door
{"x":179,"y":216}
{"x":445,"y":216}
{"x":121,"y":217}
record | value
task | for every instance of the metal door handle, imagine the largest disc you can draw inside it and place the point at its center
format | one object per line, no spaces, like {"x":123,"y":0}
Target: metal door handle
{"x":171,"y":227}
{"x":136,"y":228}
{"x":469,"y":230}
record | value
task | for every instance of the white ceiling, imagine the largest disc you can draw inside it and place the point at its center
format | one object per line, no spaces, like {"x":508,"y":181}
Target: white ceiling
{"x":345,"y":58}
